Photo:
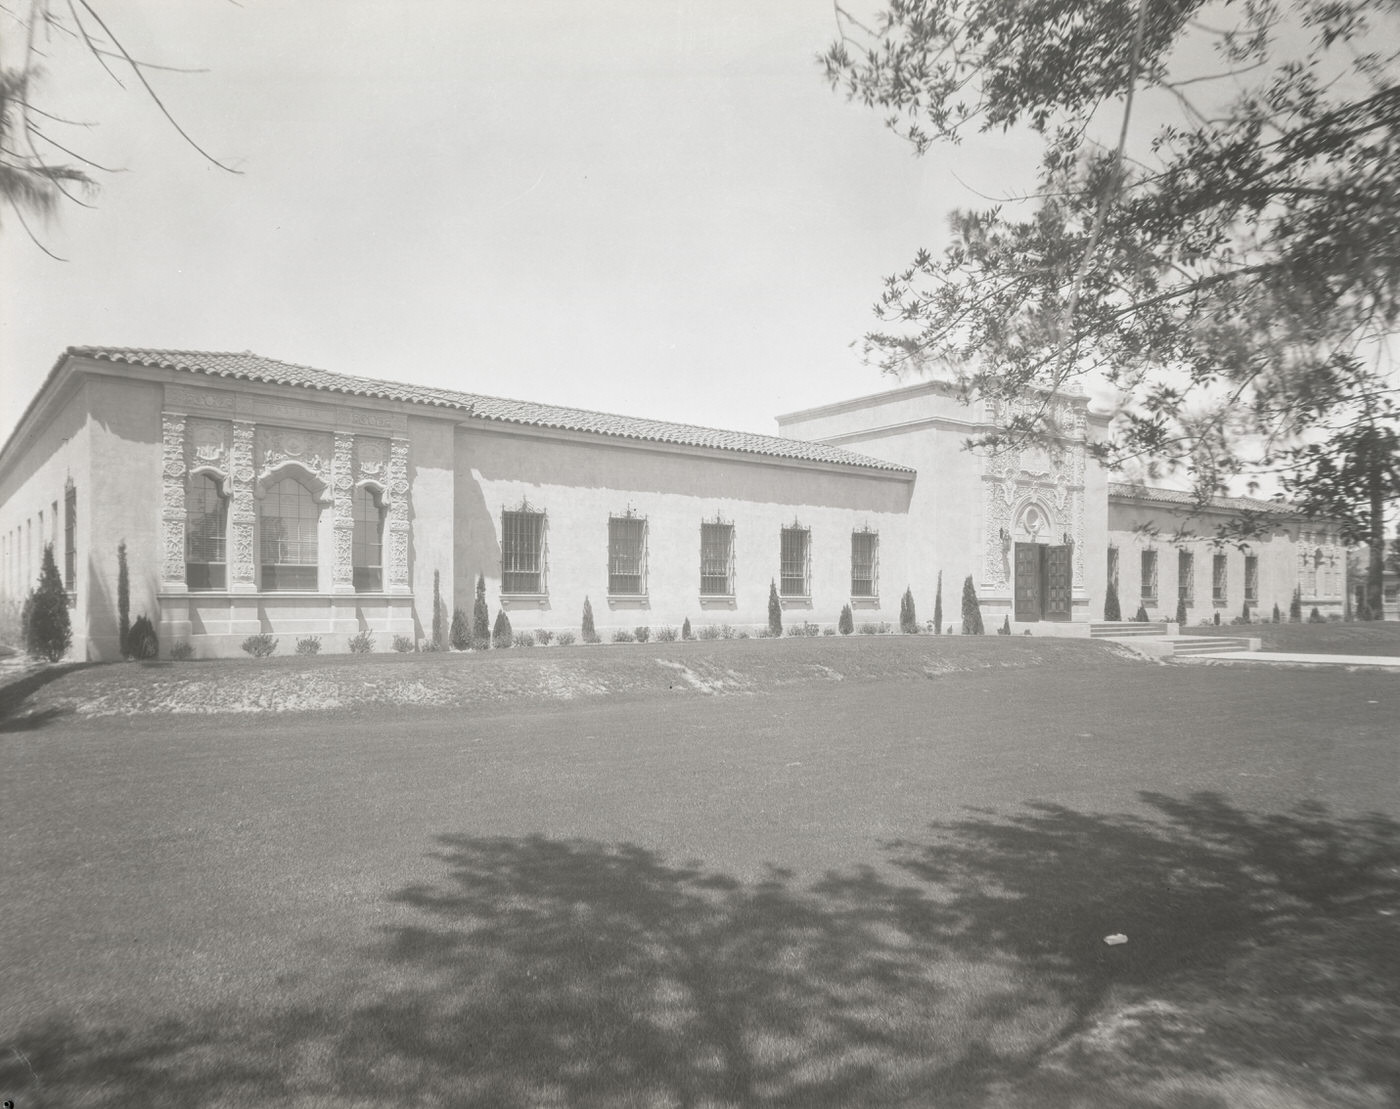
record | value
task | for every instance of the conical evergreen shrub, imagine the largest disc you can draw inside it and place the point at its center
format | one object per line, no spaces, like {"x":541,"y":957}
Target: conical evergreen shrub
{"x":141,"y":641}
{"x":775,"y":610}
{"x":685,"y":629}
{"x":481,"y":618}
{"x":938,"y":606}
{"x":590,"y":635}
{"x":1181,"y":610}
{"x":460,"y":636}
{"x":847,"y":623}
{"x":1112,"y":611}
{"x":908,"y":619}
{"x":123,"y":600}
{"x":501,"y":633}
{"x":1295,"y":606}
{"x":437,"y":611}
{"x":971,"y":610}
{"x":48,"y":632}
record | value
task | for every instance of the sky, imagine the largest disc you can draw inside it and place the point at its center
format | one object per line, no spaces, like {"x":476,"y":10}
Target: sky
{"x":658,"y":209}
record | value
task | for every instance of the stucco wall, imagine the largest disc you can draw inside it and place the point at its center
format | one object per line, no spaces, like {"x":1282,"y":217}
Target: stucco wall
{"x":33,"y":481}
{"x":1135,"y":527}
{"x":580,"y":482}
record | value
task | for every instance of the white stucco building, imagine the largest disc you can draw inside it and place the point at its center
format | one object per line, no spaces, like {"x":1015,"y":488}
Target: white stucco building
{"x":257,"y":496}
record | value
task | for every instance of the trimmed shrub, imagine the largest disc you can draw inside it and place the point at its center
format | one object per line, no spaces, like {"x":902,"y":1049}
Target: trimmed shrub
{"x":1277,"y":615}
{"x":827,"y":629}
{"x":806,"y":629}
{"x":310,"y":645}
{"x":1181,"y":610}
{"x":743,"y":634}
{"x":141,"y":641}
{"x":666,"y":635}
{"x":847,"y":623}
{"x":643,"y":633}
{"x":123,"y":600}
{"x":589,"y":634}
{"x":481,"y":617}
{"x":460,"y":635}
{"x":261,"y":645}
{"x":544,"y":636}
{"x":908,"y":620}
{"x":1005,"y":628}
{"x":523,"y":639}
{"x":971,"y":610}
{"x":1141,"y":616}
{"x":403,"y":645}
{"x":565,"y":639}
{"x":1244,"y":614}
{"x":1216,"y":619}
{"x":938,"y":606}
{"x":362,"y":643}
{"x":501,"y":634}
{"x":181,"y":651}
{"x":622,"y":635}
{"x":874,"y":629}
{"x":775,"y":610}
{"x":437,"y":611}
{"x":1295,"y":606}
{"x":1315,"y":617}
{"x":709,"y":631}
{"x":685,"y":629}
{"x":1112,"y":610}
{"x":726,"y":631}
{"x":48,"y":631}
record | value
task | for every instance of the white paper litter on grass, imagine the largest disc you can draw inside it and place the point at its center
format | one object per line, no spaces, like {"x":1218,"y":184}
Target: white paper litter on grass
{"x":1115,"y":939}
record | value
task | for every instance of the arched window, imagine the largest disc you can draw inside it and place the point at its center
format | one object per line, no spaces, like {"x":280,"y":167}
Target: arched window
{"x":287,"y":520}
{"x":367,"y":548}
{"x":206,"y":520}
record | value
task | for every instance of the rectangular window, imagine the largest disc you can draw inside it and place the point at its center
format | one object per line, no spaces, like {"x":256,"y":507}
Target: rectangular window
{"x":716,"y":560}
{"x":795,"y":564}
{"x":865,"y":556}
{"x":70,"y":539}
{"x":1251,"y":579}
{"x":367,"y":540}
{"x":1218,"y":579}
{"x":1113,"y":567}
{"x":522,"y":551}
{"x":1186,"y":576}
{"x":1149,"y":576}
{"x":206,"y":519}
{"x":627,"y":556}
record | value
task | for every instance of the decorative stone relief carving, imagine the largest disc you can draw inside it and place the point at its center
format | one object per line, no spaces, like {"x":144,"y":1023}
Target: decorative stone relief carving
{"x":397,"y":525}
{"x":207,"y":445}
{"x":343,"y":510}
{"x":1051,"y":474}
{"x":372,"y":459}
{"x":277,"y":445}
{"x":172,"y":512}
{"x":242,"y":508}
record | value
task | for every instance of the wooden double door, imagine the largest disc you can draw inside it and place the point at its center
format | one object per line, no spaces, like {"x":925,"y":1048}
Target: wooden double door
{"x":1043,"y":582}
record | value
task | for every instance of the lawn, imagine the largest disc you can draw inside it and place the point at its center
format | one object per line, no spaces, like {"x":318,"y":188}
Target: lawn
{"x":817,"y":892}
{"x":1351,"y":638}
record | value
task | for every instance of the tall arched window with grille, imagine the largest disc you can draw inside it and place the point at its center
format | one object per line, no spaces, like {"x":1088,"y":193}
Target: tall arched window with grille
{"x":288,"y":519}
{"x":206,"y":529}
{"x":367,"y":546}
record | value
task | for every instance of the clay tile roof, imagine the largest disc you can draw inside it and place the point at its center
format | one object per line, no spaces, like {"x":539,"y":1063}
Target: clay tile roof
{"x":252,"y":367}
{"x":1177,"y":496}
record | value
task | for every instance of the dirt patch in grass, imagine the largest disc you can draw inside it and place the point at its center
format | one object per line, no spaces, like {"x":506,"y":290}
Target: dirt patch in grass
{"x":542,"y":674}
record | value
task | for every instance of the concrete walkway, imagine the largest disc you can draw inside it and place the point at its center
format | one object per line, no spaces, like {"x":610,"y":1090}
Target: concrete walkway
{"x":1289,"y":658}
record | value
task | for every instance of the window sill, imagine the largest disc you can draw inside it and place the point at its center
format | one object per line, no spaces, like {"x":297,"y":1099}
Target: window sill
{"x":795,"y":602}
{"x":628,"y":600}
{"x":524,"y":600}
{"x":865,"y":602}
{"x":718,"y":600}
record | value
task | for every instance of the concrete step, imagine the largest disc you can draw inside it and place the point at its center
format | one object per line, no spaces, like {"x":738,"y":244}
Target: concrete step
{"x":1109,"y":629}
{"x":1207,"y":644}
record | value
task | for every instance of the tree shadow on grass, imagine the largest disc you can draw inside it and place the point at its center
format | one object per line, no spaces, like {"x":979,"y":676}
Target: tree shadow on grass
{"x":1260,"y":969}
{"x":15,"y":693}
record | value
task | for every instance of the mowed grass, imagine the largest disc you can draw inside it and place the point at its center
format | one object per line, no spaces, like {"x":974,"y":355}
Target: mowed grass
{"x":825,"y":893}
{"x":1350,"y":638}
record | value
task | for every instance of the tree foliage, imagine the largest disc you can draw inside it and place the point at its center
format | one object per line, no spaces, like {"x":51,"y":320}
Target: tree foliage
{"x":1234,"y":279}
{"x":39,"y":166}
